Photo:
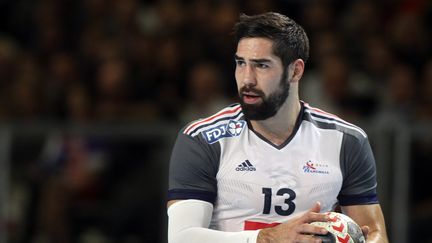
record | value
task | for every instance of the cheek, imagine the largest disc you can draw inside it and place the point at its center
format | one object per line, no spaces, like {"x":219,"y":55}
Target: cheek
{"x":238,"y":77}
{"x":273,"y":83}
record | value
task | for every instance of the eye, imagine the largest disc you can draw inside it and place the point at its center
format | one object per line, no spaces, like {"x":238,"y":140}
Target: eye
{"x":240,"y":62}
{"x":262,"y":65}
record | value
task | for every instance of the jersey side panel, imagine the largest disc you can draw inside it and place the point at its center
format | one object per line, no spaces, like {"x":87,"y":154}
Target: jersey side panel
{"x":359,"y":171}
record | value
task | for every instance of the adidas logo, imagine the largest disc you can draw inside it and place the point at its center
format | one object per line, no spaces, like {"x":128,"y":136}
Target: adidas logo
{"x":245,"y":166}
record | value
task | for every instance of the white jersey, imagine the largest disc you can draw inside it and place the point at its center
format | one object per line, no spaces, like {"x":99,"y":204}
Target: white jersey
{"x":253,"y":183}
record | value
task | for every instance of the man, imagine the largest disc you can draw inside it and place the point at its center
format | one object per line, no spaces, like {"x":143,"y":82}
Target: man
{"x":262,"y":170}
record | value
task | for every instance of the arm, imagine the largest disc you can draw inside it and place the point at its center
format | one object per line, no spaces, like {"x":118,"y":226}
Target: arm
{"x":189,"y":221}
{"x":370,"y":216}
{"x":358,"y":196}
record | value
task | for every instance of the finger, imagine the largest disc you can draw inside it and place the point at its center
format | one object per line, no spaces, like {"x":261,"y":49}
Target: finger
{"x":310,"y":217}
{"x":312,"y":229}
{"x":365,"y":230}
{"x":316,"y":208}
{"x":307,"y":239}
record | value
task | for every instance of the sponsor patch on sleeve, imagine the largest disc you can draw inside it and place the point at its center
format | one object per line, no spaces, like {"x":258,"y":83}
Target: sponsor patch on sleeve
{"x":231,"y":129}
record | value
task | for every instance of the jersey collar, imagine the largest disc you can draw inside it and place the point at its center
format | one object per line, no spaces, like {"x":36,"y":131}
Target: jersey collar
{"x":296,"y":128}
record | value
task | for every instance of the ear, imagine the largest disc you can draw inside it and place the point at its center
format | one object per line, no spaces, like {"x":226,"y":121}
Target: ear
{"x":297,"y":69}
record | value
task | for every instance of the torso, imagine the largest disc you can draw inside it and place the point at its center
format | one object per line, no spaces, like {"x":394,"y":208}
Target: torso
{"x":256,"y":183}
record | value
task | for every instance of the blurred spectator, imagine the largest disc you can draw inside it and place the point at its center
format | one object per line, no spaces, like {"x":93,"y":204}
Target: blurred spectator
{"x":8,"y":56}
{"x":77,"y":104}
{"x":169,"y":17}
{"x":169,"y":78}
{"x":205,"y":92}
{"x":410,"y":38}
{"x":318,"y":16}
{"x":62,"y":72}
{"x":25,"y":100}
{"x":399,"y":95}
{"x":378,"y":59}
{"x":362,"y":19}
{"x":72,"y":166}
{"x":24,"y":96}
{"x":325,"y":43}
{"x":338,"y":88}
{"x":112,"y":90}
{"x":424,"y":111}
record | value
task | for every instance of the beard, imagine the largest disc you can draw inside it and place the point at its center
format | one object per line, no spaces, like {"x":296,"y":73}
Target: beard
{"x":270,"y":104}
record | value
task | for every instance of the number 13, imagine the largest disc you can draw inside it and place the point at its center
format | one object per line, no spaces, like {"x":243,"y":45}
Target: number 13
{"x":279,"y":209}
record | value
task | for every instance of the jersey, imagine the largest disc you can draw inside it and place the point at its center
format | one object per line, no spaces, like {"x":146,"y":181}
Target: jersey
{"x":254,"y":184}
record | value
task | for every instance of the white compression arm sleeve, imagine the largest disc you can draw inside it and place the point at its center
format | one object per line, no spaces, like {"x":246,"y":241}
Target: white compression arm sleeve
{"x":188,"y":222}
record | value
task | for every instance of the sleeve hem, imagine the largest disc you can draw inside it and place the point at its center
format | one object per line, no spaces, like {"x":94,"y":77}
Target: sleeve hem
{"x":183,"y":194}
{"x":348,"y":200}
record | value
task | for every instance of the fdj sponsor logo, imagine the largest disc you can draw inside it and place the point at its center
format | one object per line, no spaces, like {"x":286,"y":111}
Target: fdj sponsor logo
{"x":215,"y":133}
{"x":232,"y":129}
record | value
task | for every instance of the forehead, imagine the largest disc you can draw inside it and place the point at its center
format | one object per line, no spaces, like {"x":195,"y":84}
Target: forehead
{"x":255,"y":47}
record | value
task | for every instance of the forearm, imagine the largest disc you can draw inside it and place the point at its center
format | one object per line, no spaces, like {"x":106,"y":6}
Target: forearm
{"x":189,"y":221}
{"x":371,"y":216}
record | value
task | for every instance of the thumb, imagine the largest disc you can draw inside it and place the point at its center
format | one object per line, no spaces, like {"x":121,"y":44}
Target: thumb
{"x":365,"y":230}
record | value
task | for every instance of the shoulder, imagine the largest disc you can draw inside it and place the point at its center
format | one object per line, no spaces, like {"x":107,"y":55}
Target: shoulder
{"x":325,"y":120}
{"x":222,"y":118}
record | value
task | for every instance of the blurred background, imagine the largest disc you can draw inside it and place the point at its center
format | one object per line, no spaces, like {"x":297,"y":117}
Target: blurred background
{"x":93,"y":92}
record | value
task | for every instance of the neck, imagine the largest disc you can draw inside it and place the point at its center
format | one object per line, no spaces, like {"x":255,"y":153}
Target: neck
{"x":279,"y":128}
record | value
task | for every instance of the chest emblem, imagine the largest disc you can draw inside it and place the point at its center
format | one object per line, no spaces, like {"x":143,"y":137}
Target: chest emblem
{"x":315,"y":168}
{"x":230,"y":129}
{"x":245,"y":166}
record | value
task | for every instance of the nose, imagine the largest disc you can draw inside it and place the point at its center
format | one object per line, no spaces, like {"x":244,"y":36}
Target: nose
{"x":248,"y":76}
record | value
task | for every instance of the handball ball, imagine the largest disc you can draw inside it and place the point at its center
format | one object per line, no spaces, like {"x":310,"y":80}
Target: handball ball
{"x":342,"y":229}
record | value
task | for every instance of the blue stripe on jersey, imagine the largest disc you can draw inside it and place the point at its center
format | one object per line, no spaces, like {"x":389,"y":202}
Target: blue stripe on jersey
{"x":183,"y":194}
{"x":347,"y":200}
{"x":334,"y":119}
{"x":332,"y":123}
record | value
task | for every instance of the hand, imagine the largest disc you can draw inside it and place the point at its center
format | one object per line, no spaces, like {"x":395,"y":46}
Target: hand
{"x":296,"y":230}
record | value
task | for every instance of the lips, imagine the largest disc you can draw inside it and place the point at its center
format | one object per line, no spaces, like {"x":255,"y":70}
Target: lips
{"x":250,"y":95}
{"x":250,"y":98}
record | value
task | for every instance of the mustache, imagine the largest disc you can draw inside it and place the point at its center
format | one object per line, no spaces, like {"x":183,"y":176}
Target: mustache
{"x":247,"y":89}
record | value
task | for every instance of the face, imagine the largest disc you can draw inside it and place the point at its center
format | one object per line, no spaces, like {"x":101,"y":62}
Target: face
{"x":261,"y":79}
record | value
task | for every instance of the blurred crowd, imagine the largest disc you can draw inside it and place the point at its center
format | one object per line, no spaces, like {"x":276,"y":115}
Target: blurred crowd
{"x":87,"y":61}
{"x":150,"y":60}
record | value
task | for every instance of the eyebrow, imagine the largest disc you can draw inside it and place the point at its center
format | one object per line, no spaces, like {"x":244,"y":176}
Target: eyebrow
{"x":259,"y":60}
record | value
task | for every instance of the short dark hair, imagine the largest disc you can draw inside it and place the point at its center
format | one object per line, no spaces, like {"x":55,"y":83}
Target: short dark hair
{"x":290,"y":39}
